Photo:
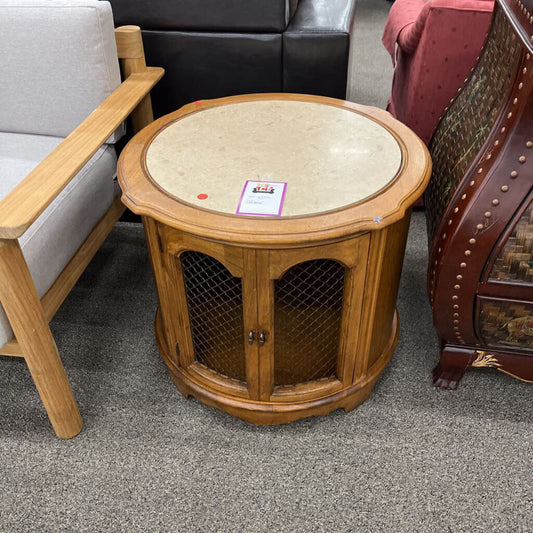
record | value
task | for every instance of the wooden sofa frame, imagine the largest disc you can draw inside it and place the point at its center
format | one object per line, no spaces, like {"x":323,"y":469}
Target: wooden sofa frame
{"x":28,"y":315}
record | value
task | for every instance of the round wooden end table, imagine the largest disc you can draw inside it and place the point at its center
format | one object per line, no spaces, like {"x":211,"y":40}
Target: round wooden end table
{"x":290,"y":311}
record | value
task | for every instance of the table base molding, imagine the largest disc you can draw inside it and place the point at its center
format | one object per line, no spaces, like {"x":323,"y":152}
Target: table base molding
{"x":283,"y":406}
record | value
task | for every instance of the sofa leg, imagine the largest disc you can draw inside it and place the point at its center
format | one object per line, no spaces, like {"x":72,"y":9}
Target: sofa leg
{"x":25,"y":314}
{"x":452,"y":366}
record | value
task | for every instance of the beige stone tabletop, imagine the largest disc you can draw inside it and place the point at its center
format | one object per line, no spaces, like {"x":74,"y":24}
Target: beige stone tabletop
{"x":329,"y":157}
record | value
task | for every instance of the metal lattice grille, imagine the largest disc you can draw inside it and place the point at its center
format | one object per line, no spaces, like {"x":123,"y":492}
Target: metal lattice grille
{"x":214,"y":299}
{"x":307,"y":320}
{"x":465,"y":127}
{"x":507,"y":323}
{"x":515,"y":262}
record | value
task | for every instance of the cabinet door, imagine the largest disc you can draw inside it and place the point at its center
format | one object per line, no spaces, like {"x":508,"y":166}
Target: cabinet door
{"x":310,"y":302}
{"x":207,"y":318}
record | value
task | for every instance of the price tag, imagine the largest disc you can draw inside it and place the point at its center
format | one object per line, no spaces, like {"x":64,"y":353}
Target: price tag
{"x":262,"y":198}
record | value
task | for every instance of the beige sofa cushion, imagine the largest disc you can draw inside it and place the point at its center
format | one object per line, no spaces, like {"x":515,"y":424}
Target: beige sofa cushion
{"x":55,"y":236}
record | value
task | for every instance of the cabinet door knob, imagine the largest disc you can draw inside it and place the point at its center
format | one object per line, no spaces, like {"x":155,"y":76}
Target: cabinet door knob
{"x":251,"y":337}
{"x":262,"y":338}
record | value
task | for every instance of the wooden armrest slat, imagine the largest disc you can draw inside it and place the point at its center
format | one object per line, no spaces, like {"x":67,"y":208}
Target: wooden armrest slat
{"x":21,"y":207}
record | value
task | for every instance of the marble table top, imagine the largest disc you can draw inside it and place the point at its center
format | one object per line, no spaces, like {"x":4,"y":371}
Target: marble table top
{"x":329,"y":157}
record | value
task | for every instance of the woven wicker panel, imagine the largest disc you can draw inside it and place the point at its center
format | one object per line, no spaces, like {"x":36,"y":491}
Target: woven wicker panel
{"x":515,"y":262}
{"x":506,"y":323}
{"x":307,"y":320}
{"x":465,"y":127}
{"x":214,"y":299}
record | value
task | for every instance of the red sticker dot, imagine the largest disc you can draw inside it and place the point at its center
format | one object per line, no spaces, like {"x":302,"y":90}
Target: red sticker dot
{"x":202,"y":196}
{"x":198,"y":102}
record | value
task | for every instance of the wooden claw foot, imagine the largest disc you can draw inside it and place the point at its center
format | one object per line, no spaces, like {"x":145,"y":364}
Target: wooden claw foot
{"x":451,"y":368}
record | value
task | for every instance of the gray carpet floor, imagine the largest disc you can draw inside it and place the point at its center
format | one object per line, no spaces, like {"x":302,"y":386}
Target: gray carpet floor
{"x":411,"y":459}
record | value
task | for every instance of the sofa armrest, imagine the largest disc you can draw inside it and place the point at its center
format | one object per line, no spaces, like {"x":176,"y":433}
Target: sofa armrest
{"x":21,"y":207}
{"x":316,"y":47}
{"x":402,"y":15}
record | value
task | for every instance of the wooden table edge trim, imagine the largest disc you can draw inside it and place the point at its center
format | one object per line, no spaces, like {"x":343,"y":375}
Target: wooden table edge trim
{"x":154,"y":202}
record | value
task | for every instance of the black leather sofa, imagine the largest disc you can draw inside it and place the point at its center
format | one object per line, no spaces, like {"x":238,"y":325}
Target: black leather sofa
{"x":214,"y":48}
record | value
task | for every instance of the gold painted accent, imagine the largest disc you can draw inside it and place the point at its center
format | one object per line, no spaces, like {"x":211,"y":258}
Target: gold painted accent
{"x":486,"y":360}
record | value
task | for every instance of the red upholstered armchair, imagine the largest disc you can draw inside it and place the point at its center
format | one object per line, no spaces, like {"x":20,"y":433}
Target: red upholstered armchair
{"x":434,"y":45}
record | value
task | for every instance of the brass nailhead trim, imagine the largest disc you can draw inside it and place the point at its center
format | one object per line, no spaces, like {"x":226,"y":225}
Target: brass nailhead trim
{"x":505,"y":188}
{"x":495,"y":201}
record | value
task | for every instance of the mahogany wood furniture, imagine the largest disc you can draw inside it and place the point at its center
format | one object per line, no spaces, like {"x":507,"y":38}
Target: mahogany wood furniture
{"x":276,"y":318}
{"x":480,"y":209}
{"x":27,"y":313}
